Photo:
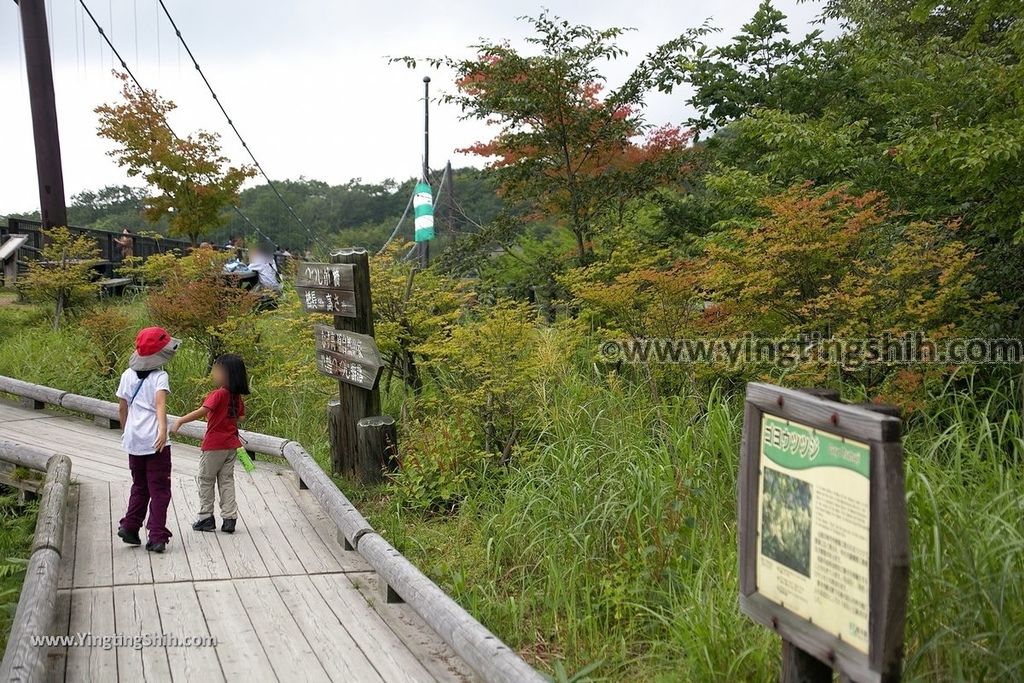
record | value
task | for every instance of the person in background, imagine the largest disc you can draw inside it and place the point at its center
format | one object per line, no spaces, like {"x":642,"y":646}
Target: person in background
{"x":126,"y":244}
{"x":270,"y":279}
{"x":142,"y":393}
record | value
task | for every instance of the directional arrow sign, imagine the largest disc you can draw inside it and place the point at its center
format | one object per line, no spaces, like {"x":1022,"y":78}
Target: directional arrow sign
{"x":347,"y":356}
{"x":335,"y":302}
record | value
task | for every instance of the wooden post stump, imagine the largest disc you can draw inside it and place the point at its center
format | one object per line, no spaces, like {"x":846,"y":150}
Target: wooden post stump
{"x":106,"y":422}
{"x":377,"y":440}
{"x":30,"y":403}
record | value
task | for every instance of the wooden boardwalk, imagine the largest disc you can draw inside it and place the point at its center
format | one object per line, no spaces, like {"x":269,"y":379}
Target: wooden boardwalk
{"x":280,"y":597}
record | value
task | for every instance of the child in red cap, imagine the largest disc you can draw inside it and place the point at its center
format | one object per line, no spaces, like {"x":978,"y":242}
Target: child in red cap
{"x":143,"y":411}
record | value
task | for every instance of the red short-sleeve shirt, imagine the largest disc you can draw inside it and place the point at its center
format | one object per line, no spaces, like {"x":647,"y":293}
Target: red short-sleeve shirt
{"x":221,"y":428}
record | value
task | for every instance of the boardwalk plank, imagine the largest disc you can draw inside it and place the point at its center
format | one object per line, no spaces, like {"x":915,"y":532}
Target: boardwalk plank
{"x":92,"y":612}
{"x":93,"y":562}
{"x":67,"y":552}
{"x":181,"y":616}
{"x":136,"y":614}
{"x":289,"y":652}
{"x":172,"y":565}
{"x":314,"y":555}
{"x":378,"y":642}
{"x":259,"y":521}
{"x":349,"y":561}
{"x":424,"y":643}
{"x":337,"y":651}
{"x":205,"y":558}
{"x":241,"y":654}
{"x":56,"y":658}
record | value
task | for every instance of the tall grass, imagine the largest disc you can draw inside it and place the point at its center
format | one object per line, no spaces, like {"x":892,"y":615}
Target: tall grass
{"x":17,"y":525}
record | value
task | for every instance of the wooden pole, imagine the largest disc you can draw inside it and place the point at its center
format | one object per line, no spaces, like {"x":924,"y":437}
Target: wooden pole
{"x":52,"y":208}
{"x":354,"y":403}
{"x":424,"y":246}
{"x":800,"y":667}
{"x":378,"y":447}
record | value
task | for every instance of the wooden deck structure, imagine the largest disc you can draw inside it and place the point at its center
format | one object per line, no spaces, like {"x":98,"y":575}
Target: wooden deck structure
{"x":281,"y":597}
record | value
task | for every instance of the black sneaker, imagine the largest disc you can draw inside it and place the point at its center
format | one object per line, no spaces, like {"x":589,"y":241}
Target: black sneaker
{"x":156,"y":547}
{"x":227,"y":526}
{"x":206,"y":524}
{"x":129,"y":537}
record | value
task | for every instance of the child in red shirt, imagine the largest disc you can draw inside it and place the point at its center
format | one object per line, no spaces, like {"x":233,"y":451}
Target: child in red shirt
{"x":222,"y":408}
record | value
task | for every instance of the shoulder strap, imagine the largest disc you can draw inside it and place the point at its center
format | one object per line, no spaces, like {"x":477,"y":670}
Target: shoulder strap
{"x":138,"y":387}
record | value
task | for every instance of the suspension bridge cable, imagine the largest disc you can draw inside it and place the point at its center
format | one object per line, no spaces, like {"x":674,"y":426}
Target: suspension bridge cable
{"x":398,"y":225}
{"x":231,"y":123}
{"x":124,"y":65}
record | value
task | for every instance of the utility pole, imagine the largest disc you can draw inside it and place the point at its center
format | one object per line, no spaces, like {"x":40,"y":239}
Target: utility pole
{"x":424,"y":247}
{"x":52,"y":209}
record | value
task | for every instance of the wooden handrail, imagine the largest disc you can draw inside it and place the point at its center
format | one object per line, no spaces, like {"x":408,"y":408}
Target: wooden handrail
{"x":488,"y":656}
{"x":24,"y":660}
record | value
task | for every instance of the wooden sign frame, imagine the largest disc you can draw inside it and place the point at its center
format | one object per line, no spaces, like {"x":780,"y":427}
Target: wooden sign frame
{"x":888,"y":553}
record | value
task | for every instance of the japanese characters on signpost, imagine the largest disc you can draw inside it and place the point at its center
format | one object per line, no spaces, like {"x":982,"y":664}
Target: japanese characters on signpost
{"x":327,"y":288}
{"x":349,"y":356}
{"x":348,"y":353}
{"x":823,"y":538}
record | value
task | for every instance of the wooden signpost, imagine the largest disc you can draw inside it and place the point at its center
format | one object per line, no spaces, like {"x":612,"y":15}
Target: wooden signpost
{"x":823,"y":539}
{"x":348,"y":353}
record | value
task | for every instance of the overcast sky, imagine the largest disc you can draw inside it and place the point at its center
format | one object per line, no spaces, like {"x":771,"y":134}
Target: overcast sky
{"x":306,"y":82}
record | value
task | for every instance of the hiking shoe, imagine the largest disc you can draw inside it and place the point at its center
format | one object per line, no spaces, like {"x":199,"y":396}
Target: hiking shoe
{"x":156,"y":547}
{"x":227,"y":526}
{"x":206,"y":524}
{"x":129,"y":537}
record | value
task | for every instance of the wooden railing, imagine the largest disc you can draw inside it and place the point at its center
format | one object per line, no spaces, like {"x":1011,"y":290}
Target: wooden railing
{"x":490,"y":658}
{"x":24,"y":660}
{"x":143,"y":246}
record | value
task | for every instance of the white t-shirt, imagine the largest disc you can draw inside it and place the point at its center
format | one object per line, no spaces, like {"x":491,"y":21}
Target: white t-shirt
{"x":141,"y":429}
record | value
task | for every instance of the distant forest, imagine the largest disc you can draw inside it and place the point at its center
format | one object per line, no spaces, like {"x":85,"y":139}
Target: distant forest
{"x":356,"y":213}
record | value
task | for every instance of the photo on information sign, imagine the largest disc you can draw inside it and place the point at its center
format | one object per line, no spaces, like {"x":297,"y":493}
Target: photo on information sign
{"x":786,"y":521}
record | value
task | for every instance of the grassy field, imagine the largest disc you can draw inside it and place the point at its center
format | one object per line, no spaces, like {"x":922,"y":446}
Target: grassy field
{"x":608,"y":544}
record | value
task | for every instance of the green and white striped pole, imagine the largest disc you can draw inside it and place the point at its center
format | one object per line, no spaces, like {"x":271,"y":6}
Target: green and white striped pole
{"x":423,"y":203}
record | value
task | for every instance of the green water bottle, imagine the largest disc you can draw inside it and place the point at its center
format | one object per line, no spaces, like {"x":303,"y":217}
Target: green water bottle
{"x":243,"y":457}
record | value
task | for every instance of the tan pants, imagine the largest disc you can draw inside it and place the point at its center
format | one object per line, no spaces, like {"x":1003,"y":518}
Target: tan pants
{"x":217,"y":467}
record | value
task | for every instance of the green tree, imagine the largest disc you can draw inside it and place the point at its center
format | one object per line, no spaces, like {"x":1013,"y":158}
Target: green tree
{"x":563,"y":147}
{"x":191,"y":178}
{"x":761,"y":67}
{"x":919,"y":100}
{"x":63,"y":275}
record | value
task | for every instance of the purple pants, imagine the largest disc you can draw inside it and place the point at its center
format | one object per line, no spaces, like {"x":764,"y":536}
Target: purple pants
{"x":151,"y":486}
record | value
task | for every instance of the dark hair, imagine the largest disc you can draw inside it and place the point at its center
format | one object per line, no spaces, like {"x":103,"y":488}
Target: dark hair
{"x":238,"y":379}
{"x":143,"y":374}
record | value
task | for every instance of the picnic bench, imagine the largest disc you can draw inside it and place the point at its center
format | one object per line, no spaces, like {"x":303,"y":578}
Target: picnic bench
{"x":113,"y":286}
